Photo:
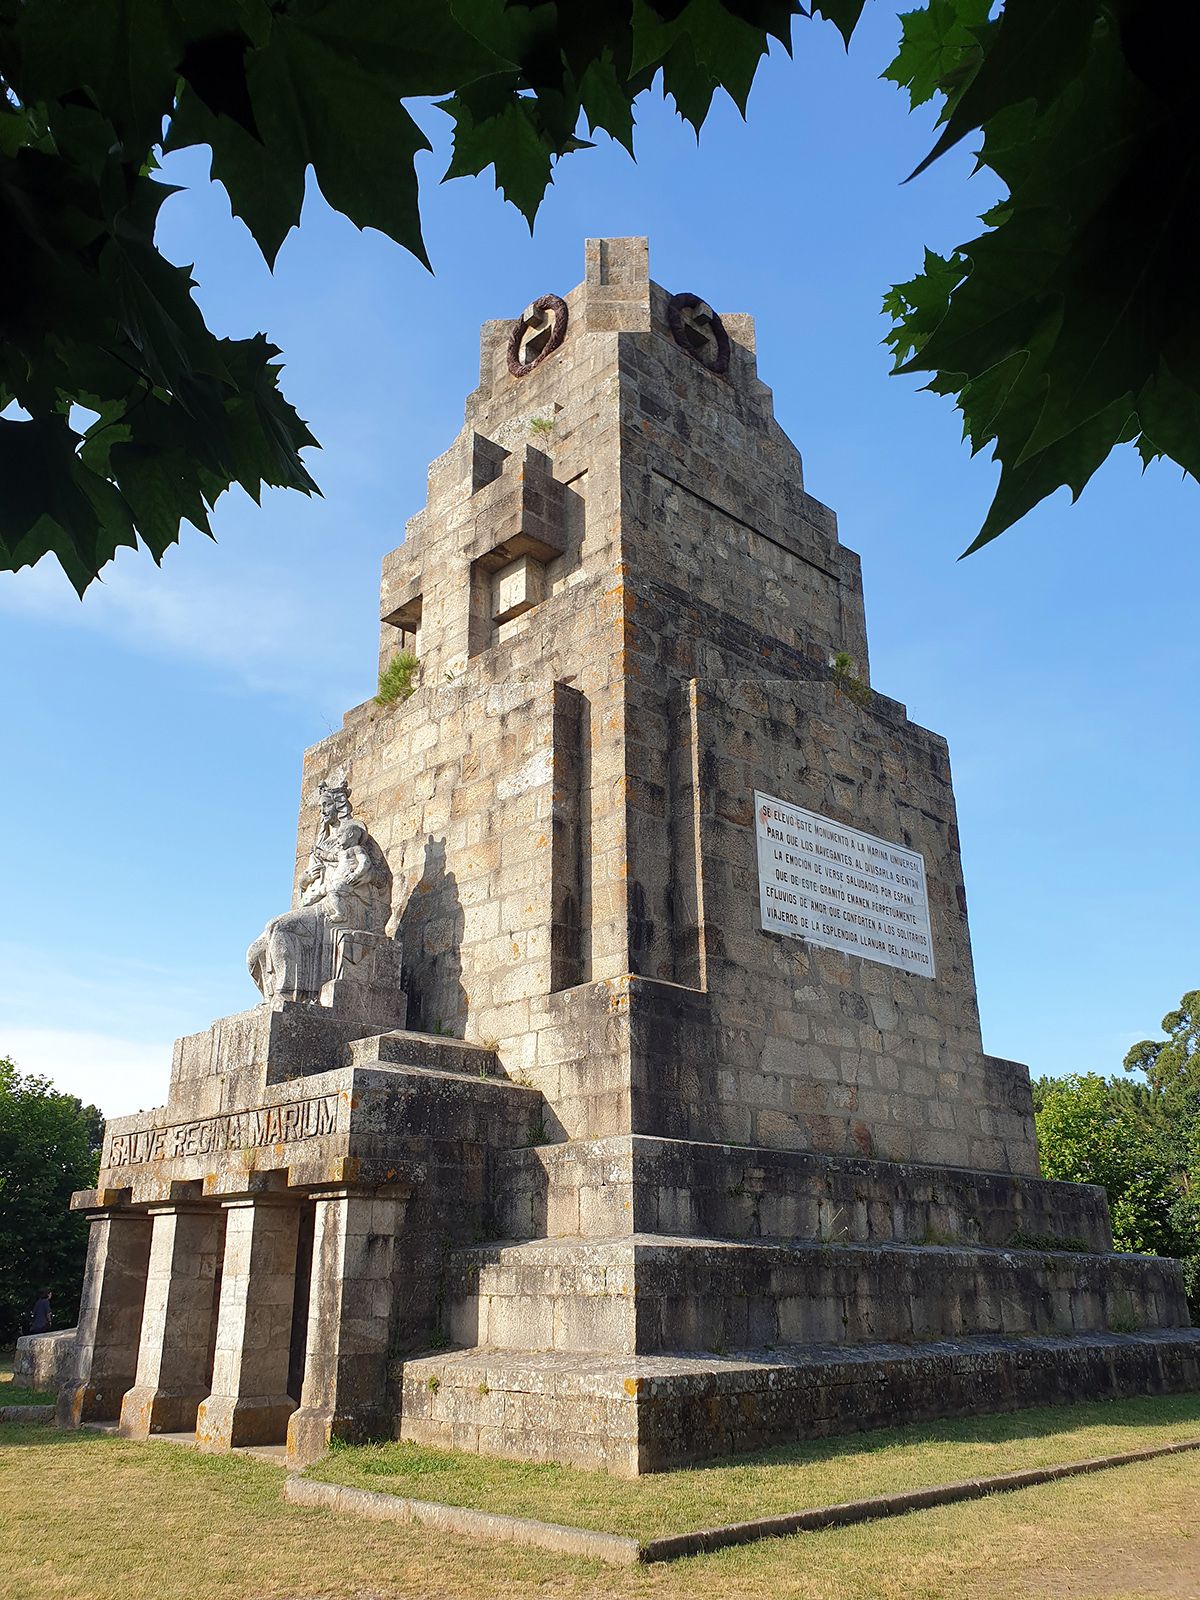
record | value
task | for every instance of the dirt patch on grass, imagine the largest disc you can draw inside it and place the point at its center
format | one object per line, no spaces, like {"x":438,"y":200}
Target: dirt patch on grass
{"x":1153,"y":1571}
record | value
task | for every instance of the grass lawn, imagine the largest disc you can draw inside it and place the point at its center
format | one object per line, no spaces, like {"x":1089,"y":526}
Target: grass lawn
{"x":13,"y":1394}
{"x":773,"y":1481}
{"x":87,"y":1517}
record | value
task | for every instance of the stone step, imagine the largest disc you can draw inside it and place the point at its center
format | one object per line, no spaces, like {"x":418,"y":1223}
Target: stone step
{"x":435,"y":1052}
{"x":649,"y":1293}
{"x":634,"y":1414}
{"x":634,"y":1183}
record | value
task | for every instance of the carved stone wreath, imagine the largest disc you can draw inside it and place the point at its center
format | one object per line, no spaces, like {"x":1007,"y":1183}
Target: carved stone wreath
{"x":696,"y":328}
{"x":537,"y":334}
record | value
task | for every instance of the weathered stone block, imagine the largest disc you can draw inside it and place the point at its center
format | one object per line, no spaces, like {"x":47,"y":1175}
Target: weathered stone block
{"x":44,"y":1361}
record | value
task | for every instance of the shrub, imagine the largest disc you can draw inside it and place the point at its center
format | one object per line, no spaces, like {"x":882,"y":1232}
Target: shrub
{"x":396,"y":679}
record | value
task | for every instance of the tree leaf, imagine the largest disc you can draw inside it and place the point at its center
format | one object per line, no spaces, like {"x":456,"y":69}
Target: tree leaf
{"x":1074,"y":318}
{"x":1037,"y":47}
{"x":316,"y":104}
{"x":844,"y":14}
{"x":46,"y":506}
{"x":1169,"y":412}
{"x":161,"y":489}
{"x":606,"y":100}
{"x":937,"y":43}
{"x":706,"y":46}
{"x":1069,"y":462}
{"x":265,"y":190}
{"x":121,"y":53}
{"x":496,"y":127}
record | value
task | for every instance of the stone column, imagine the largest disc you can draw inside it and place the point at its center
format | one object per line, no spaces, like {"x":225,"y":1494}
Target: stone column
{"x":249,"y":1403}
{"x":172,"y":1369}
{"x":349,"y":1319}
{"x":110,"y":1317}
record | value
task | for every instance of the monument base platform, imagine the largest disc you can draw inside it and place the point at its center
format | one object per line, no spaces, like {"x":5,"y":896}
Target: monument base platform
{"x":635,"y":1414}
{"x":651,"y":1294}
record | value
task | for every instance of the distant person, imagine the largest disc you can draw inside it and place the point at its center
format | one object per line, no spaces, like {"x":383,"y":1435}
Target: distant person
{"x":40,"y":1317}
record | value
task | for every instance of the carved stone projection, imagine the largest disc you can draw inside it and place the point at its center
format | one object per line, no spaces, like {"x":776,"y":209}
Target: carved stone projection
{"x":696,"y":328}
{"x":334,"y":948}
{"x":537,"y":333}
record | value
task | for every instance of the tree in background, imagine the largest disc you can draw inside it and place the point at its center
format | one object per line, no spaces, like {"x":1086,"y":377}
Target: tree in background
{"x":1091,"y":1132}
{"x":1070,"y":325}
{"x":49,"y":1147}
{"x":1139,"y":1141}
{"x":1172,"y":1068}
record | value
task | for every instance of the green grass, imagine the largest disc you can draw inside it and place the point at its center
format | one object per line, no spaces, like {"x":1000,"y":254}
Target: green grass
{"x":88,"y":1517}
{"x":12,"y":1394}
{"x":770,"y":1482}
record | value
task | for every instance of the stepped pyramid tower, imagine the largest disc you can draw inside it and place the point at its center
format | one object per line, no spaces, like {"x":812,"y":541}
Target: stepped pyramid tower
{"x":617,"y":1093}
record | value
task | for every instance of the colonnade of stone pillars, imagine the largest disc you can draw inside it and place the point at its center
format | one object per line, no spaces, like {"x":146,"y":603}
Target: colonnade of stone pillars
{"x":147,"y":1353}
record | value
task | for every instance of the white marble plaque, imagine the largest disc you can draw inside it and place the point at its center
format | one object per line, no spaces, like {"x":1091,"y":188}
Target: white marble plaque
{"x":836,"y":886}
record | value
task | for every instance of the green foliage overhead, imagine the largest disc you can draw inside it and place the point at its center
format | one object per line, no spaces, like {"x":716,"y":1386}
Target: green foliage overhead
{"x":1071,"y":324}
{"x":1066,"y":327}
{"x":49,"y":1147}
{"x":133,"y":416}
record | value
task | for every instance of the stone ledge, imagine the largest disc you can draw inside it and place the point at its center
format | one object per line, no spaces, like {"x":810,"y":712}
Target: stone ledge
{"x":371,"y":1123}
{"x":431,"y":1051}
{"x":635,"y":1414}
{"x":27,"y":1413}
{"x":45,"y":1361}
{"x":648,"y":1293}
{"x":376,"y":1507}
{"x":639,"y":1183}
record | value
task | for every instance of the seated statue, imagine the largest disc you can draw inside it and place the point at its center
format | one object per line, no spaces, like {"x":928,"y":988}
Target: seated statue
{"x":334,"y":946}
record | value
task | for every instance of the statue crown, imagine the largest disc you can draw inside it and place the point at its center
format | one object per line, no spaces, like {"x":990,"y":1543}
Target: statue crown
{"x":337,"y":786}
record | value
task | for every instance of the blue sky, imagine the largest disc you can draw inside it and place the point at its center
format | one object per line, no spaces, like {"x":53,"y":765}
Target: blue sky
{"x":153,"y":734}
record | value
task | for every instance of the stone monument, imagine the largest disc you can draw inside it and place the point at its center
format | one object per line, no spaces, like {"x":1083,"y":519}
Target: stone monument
{"x":334,"y":949}
{"x":617,"y":1093}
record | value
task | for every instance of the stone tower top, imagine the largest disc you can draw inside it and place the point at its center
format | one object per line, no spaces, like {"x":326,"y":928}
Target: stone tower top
{"x":619,"y":429}
{"x":617,"y":295}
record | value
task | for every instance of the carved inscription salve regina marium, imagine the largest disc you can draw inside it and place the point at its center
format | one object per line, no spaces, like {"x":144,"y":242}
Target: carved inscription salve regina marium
{"x":283,"y":1124}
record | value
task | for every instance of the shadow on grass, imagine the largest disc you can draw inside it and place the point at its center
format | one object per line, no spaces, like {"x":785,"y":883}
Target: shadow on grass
{"x":43,"y":1434}
{"x":162,"y":1458}
{"x":769,"y":1481}
{"x":1001,"y":1427}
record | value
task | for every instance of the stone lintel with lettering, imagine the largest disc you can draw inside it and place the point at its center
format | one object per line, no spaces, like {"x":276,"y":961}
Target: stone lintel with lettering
{"x":372,"y":1125}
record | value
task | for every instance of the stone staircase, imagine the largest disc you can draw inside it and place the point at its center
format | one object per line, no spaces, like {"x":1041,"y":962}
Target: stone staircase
{"x":656,"y":1301}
